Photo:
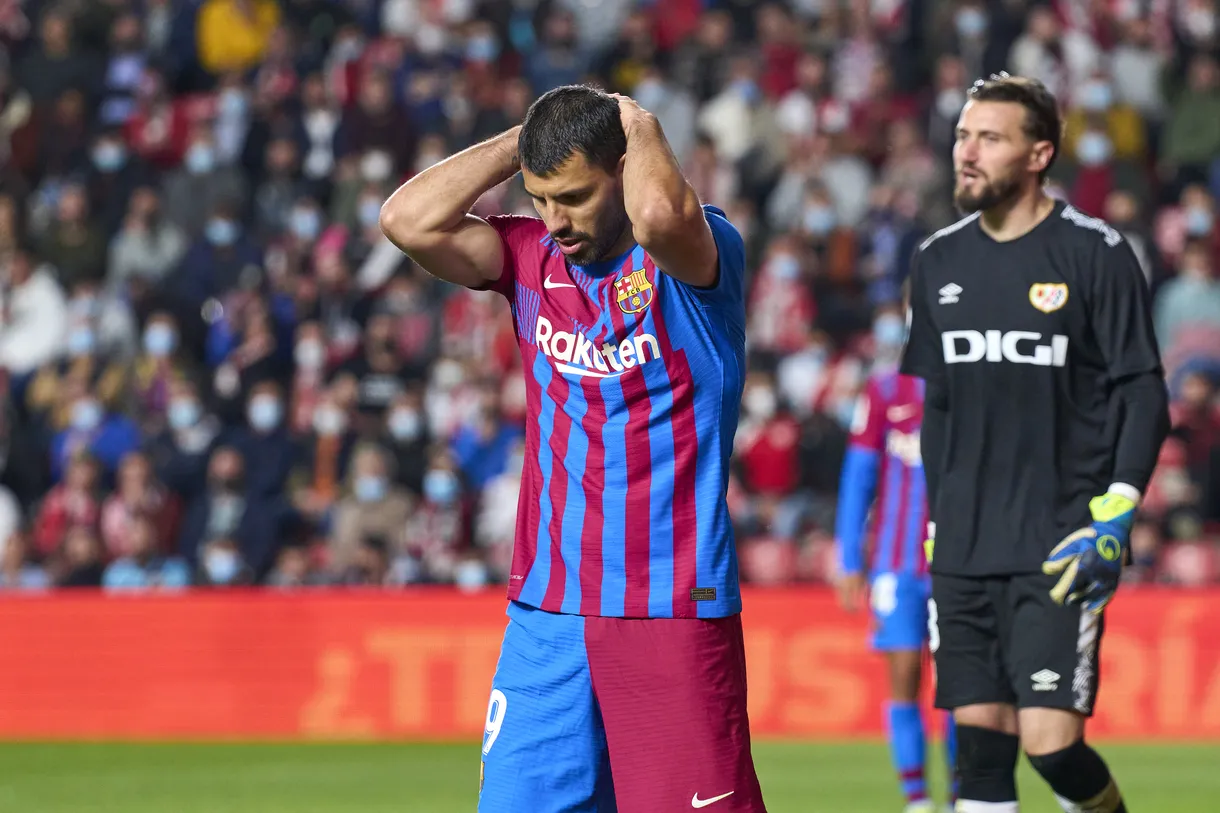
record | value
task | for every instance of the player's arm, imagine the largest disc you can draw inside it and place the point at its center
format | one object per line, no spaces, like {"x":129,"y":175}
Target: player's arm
{"x":665,"y":213}
{"x":429,"y":219}
{"x":857,"y":487}
{"x":1089,"y":561}
{"x":923,"y":357}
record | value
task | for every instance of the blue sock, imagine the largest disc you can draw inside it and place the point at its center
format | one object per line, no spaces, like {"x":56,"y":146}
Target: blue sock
{"x":907,"y":748}
{"x":951,"y":754}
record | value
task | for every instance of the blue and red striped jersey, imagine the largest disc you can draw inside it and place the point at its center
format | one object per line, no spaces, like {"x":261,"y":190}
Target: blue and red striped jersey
{"x":883,"y":456}
{"x":633,"y":384}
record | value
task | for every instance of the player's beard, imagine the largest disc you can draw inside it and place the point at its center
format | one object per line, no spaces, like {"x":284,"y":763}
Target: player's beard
{"x":599,"y":245}
{"x":993,"y":193}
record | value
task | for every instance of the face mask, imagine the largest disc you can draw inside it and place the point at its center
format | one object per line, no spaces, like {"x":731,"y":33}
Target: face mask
{"x":970,"y":22}
{"x":448,"y":374}
{"x":200,"y":159}
{"x":305,"y":223}
{"x":482,"y":49}
{"x":747,"y":89}
{"x":183,"y":414}
{"x":310,"y":355}
{"x":376,"y":166}
{"x":470,"y":575}
{"x":159,"y":340}
{"x":404,"y":424}
{"x":949,"y":102}
{"x":109,"y":157}
{"x":81,"y":342}
{"x":1198,"y":221}
{"x":264,"y":413}
{"x":370,"y":213}
{"x":369,"y":489}
{"x":440,"y":487}
{"x":329,"y":421}
{"x":232,"y":103}
{"x":889,"y":331}
{"x":649,"y":93}
{"x":1201,"y":23}
{"x":760,"y":402}
{"x":819,"y":220}
{"x":222,"y":566}
{"x":1096,"y":97}
{"x":221,"y":232}
{"x":86,"y":415}
{"x":785,"y":267}
{"x":1093,"y":149}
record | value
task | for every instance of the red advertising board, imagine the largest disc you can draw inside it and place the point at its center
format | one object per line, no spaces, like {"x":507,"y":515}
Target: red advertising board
{"x":418,"y":664}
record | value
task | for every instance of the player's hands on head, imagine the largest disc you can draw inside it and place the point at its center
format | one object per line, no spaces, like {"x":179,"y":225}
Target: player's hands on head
{"x":630,"y":112}
{"x":852,"y":591}
{"x":1089,"y":562}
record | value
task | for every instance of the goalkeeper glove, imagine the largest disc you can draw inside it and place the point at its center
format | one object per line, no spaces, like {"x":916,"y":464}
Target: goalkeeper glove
{"x":1089,"y":562}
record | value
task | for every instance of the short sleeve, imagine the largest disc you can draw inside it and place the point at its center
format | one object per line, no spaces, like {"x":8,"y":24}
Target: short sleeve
{"x":922,"y":355}
{"x":868,"y":422}
{"x":729,"y":291}
{"x":513,"y":231}
{"x":1121,"y":312}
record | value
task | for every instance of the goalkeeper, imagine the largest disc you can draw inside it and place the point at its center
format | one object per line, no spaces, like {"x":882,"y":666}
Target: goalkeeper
{"x":1044,"y":411}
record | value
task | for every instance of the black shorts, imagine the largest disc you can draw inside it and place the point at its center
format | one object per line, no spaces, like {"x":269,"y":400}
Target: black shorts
{"x":1003,"y":640}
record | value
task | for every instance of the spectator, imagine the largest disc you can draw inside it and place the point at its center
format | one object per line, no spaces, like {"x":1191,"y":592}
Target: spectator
{"x":33,"y":315}
{"x":230,"y":532}
{"x":374,"y":507}
{"x":202,"y":188}
{"x":407,"y":438}
{"x":55,"y":65}
{"x":143,"y":566}
{"x":80,"y":562}
{"x":18,"y":571}
{"x":1192,"y":134}
{"x":180,"y":452}
{"x":113,"y":177}
{"x":147,"y":248}
{"x":158,"y":364}
{"x":269,"y":450}
{"x":317,"y":481}
{"x":73,"y":503}
{"x":233,"y":34}
{"x":1193,"y":297}
{"x":73,"y":244}
{"x":138,"y":500}
{"x":105,"y":434}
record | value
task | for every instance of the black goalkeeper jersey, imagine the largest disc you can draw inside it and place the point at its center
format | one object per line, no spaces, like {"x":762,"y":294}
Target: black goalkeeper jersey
{"x":1027,"y":339}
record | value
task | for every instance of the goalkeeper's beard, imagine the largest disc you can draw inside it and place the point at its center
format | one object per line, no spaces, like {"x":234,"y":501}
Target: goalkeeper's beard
{"x":993,"y":194}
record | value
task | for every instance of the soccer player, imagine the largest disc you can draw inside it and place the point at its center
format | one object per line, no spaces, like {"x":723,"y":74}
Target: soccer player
{"x":621,"y":681}
{"x":883,"y":459}
{"x":1044,"y":411}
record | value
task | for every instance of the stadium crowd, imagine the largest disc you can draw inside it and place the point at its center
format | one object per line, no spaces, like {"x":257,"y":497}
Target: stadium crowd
{"x":218,"y":371}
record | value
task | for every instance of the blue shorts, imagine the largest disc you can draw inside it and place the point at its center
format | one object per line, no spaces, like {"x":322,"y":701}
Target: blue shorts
{"x":900,"y":611}
{"x":597,"y":715}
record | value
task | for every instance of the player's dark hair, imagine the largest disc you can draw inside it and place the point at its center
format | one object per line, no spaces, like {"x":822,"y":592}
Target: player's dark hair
{"x":1042,"y":119}
{"x":568,"y":120}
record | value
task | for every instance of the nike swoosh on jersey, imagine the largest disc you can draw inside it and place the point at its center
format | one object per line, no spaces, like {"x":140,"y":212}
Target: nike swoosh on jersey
{"x":546,"y":283}
{"x":698,"y":803}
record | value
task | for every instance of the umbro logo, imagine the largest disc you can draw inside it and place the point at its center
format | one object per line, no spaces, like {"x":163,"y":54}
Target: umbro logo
{"x":1045,"y":680}
{"x":950,"y":293}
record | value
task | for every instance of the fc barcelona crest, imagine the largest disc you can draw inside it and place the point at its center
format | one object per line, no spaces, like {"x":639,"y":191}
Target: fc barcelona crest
{"x":634,"y":292}
{"x":1048,"y":296}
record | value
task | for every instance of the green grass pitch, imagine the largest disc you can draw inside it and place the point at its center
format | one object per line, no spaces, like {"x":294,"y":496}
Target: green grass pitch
{"x":416,"y":778}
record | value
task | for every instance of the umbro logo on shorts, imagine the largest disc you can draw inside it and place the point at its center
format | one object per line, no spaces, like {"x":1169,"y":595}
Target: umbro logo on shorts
{"x":1045,"y":680}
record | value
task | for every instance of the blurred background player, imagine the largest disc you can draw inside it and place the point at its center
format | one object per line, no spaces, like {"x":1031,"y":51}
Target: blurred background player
{"x":621,"y":680}
{"x":883,"y":461}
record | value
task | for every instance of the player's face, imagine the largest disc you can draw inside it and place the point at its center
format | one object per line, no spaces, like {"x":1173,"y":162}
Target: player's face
{"x":992,"y":155}
{"x":582,"y":207}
